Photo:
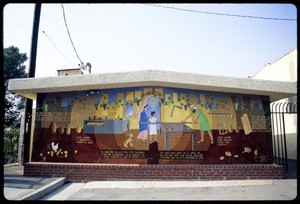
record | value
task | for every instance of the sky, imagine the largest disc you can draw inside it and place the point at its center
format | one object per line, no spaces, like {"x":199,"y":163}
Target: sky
{"x":195,"y":38}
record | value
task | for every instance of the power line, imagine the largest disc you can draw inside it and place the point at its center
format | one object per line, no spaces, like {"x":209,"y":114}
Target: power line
{"x":9,"y":27}
{"x":55,"y":25}
{"x":57,"y":48}
{"x":70,"y":35}
{"x":86,"y":29}
{"x":223,"y":14}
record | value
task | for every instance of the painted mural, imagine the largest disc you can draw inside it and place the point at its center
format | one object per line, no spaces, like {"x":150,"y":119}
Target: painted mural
{"x":152,"y":125}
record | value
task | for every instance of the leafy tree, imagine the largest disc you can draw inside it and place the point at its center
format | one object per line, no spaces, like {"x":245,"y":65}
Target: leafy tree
{"x":13,"y":68}
{"x":10,"y":145}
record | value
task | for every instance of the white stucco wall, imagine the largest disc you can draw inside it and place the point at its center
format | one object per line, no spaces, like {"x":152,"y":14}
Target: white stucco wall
{"x":284,"y":69}
{"x":291,"y":129}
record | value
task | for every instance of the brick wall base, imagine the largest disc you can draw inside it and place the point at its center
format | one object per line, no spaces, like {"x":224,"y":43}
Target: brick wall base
{"x":83,"y":172}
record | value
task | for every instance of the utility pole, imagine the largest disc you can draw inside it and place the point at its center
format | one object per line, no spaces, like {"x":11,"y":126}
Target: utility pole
{"x":31,"y":73}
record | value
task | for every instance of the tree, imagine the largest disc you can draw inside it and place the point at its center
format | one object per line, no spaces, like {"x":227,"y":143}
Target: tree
{"x":13,"y":68}
{"x":10,"y":146}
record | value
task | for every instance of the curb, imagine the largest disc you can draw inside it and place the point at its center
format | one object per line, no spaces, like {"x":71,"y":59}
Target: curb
{"x":43,"y":191}
{"x":174,"y":184}
{"x":12,"y":164}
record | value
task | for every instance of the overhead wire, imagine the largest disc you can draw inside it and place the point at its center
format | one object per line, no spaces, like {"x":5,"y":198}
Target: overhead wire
{"x":223,"y":14}
{"x":83,"y":29}
{"x":57,"y":48}
{"x":97,"y":28}
{"x":70,"y":35}
{"x":55,"y":25}
{"x":18,"y":25}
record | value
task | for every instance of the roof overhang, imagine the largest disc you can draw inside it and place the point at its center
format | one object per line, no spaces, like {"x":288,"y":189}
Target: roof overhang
{"x":29,"y":87}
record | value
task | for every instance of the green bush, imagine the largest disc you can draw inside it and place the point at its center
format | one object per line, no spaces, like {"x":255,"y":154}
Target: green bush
{"x":11,"y":140}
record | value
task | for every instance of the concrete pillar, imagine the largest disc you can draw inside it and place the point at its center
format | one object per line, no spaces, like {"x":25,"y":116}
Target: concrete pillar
{"x":21,"y":137}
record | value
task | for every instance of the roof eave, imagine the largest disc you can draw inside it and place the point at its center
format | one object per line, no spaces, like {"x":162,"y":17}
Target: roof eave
{"x":29,"y":87}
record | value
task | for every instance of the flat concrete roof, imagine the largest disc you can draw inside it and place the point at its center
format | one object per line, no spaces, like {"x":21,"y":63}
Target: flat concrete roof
{"x":29,"y":87}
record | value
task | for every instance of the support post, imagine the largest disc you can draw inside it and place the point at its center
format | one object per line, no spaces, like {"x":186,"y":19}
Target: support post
{"x":31,"y":73}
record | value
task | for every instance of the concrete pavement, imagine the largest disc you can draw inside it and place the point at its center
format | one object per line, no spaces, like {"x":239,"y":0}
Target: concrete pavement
{"x":18,"y":187}
{"x":178,"y":190}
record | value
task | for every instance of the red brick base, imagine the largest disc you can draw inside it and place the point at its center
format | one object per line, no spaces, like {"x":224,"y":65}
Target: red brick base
{"x":83,"y":172}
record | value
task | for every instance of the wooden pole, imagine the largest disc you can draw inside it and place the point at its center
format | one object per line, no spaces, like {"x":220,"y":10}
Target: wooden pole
{"x":31,"y":73}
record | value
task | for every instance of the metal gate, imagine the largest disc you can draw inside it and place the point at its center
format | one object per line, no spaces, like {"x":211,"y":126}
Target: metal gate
{"x":278,"y":111}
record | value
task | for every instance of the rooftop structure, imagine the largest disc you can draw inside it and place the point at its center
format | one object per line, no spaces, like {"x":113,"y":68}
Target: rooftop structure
{"x":67,"y":72}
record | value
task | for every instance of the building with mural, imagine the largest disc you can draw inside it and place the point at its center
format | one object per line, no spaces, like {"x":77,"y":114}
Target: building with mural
{"x":152,"y":117}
